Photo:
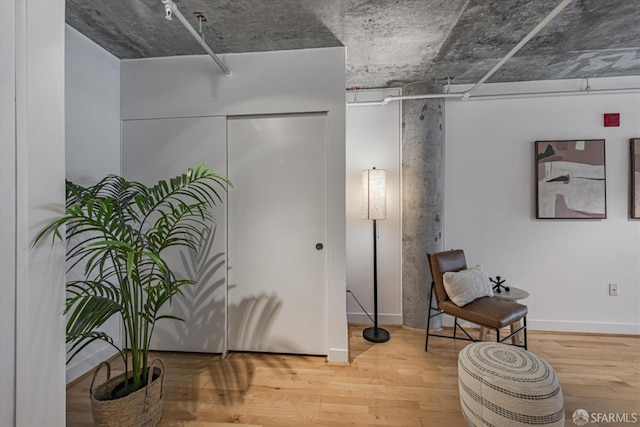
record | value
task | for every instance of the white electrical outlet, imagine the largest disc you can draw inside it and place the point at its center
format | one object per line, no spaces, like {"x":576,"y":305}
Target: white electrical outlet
{"x":613,"y":289}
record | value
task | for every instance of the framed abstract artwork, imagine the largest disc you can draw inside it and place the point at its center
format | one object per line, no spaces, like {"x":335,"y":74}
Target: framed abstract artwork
{"x":634,"y":199}
{"x":570,"y":179}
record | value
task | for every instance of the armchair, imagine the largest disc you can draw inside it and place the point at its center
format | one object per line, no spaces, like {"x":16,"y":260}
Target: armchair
{"x":488,"y":312}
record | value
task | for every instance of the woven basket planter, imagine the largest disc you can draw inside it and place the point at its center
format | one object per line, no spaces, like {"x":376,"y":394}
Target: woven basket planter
{"x":142,"y":408}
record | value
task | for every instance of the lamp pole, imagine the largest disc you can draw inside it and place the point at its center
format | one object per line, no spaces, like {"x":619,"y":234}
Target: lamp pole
{"x":376,"y":334}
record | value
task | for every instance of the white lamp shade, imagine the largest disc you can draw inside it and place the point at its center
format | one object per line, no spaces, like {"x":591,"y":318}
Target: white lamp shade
{"x":374,"y":194}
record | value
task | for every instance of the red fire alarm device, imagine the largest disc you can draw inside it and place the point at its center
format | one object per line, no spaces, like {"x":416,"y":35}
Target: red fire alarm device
{"x":611,"y":120}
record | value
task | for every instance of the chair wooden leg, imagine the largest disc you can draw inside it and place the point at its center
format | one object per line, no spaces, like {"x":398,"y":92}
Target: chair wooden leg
{"x":520,"y":337}
{"x":483,"y":334}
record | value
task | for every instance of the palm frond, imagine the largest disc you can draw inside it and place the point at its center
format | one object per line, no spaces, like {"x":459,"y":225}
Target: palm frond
{"x":118,"y":233}
{"x":80,"y":342}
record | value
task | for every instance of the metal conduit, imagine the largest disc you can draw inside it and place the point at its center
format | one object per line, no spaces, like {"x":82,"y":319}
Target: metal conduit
{"x":518,"y":46}
{"x":171,"y":9}
{"x":467,"y":94}
{"x":460,"y":95}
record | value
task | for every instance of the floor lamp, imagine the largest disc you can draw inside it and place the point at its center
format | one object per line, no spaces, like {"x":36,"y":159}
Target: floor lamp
{"x":374,"y":206}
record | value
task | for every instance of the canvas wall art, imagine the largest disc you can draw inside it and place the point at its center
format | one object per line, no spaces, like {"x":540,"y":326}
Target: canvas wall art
{"x":634,"y":200}
{"x":570,"y":179}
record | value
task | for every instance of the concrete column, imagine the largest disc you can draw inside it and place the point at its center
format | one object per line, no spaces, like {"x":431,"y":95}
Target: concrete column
{"x":422,"y":176}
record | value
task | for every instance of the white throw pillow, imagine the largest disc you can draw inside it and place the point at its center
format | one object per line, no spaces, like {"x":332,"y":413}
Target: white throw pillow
{"x":467,"y":285}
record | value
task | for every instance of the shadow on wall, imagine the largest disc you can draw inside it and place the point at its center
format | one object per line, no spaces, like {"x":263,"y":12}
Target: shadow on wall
{"x":202,"y":313}
{"x":232,"y":376}
{"x":251,"y":325}
{"x":252,"y":319}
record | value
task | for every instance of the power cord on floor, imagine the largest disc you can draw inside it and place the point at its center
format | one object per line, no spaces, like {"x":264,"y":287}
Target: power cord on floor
{"x":363,"y":310}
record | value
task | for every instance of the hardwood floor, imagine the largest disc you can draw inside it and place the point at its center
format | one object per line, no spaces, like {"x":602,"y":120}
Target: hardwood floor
{"x":390,"y":384}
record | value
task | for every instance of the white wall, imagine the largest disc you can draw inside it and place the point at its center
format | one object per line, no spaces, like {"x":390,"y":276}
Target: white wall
{"x":373,"y":139}
{"x":489,"y":208}
{"x":92,"y":148}
{"x":7,"y":212}
{"x":92,"y":102}
{"x":261,"y":83}
{"x":154,"y":150}
{"x":32,"y":138}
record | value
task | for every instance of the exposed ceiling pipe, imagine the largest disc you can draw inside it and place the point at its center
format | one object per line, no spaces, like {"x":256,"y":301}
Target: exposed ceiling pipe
{"x":390,"y":98}
{"x":467,"y":94}
{"x":427,"y":96}
{"x":517,"y":47}
{"x":171,"y":9}
{"x":558,"y":93}
{"x":459,"y":95}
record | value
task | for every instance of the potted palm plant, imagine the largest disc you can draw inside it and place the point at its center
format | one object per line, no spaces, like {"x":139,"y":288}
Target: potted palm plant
{"x":118,"y":232}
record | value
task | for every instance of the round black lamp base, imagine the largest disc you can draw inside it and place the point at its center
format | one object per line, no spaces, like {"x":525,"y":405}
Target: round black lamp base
{"x":375,"y":335}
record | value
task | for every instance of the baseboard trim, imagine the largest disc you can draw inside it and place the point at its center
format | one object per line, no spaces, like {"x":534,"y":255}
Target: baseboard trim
{"x":586,"y":327}
{"x":338,"y":355}
{"x":383,"y":319}
{"x":82,"y":367}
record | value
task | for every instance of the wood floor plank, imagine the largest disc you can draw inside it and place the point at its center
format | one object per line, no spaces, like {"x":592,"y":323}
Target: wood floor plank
{"x":389,"y":384}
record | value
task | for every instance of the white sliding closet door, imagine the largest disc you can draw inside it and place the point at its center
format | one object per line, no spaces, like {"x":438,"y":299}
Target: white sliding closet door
{"x":277,"y":222}
{"x":161,"y":149}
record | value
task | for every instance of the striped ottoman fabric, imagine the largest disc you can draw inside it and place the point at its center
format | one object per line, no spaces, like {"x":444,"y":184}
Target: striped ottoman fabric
{"x":504,"y":385}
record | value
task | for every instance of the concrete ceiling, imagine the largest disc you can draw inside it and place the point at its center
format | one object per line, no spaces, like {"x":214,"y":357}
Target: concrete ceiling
{"x":389,"y":42}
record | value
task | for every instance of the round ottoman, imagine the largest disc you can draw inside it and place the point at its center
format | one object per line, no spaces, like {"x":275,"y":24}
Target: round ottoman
{"x":504,"y":385}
